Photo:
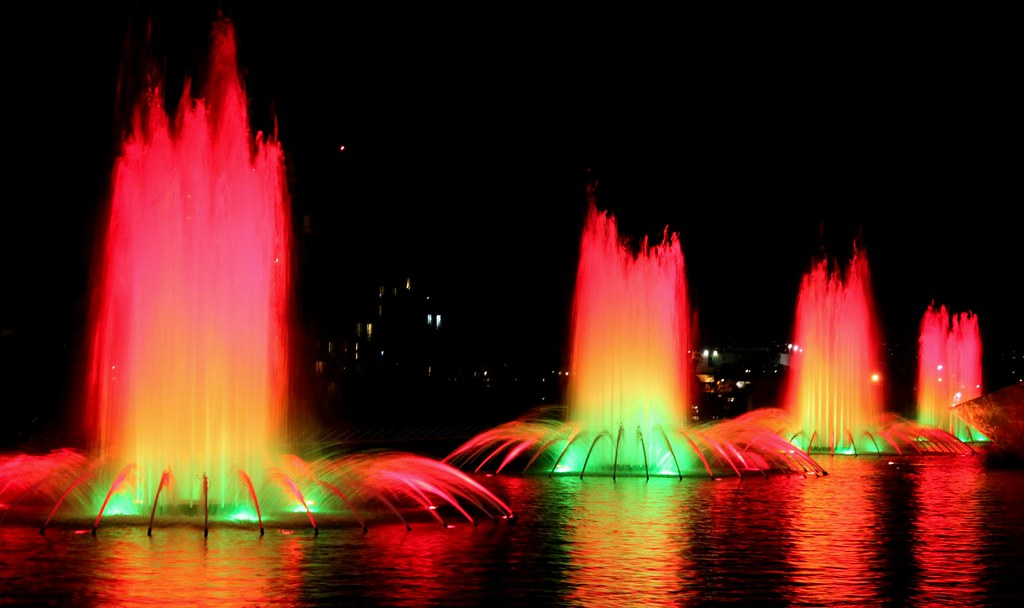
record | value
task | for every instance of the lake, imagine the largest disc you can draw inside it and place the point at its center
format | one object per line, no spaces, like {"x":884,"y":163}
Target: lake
{"x":876,"y":531}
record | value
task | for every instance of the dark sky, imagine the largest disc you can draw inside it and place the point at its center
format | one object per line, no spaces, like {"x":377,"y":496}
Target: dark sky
{"x":762,"y":139}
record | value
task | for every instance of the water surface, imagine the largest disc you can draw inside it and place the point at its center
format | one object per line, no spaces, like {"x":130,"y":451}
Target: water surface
{"x":923,"y":531}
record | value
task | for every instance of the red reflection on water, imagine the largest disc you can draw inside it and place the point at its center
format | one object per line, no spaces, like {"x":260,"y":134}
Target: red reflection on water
{"x":445,"y":565}
{"x":189,"y":331}
{"x":179,"y":566}
{"x":951,"y":516}
{"x":835,"y":542}
{"x":949,"y":369}
{"x":625,"y":542}
{"x":832,"y":393}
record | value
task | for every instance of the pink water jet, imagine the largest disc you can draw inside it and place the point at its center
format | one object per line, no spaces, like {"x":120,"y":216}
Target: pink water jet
{"x":949,"y":369}
{"x":289,"y":484}
{"x":188,"y":358}
{"x":407,"y":486}
{"x":125,"y":476}
{"x":629,"y":394}
{"x":252,"y":493}
{"x":189,"y":333}
{"x":165,"y":481}
{"x":834,"y":391}
{"x":629,"y":379}
{"x":836,"y":385}
{"x":630,"y":367}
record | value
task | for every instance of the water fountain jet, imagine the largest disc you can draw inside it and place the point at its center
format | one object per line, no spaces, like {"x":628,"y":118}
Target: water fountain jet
{"x":122,"y":476}
{"x":165,"y":480}
{"x":630,"y":368}
{"x":834,"y":396}
{"x":949,"y":369}
{"x":252,"y":492}
{"x":189,"y":333}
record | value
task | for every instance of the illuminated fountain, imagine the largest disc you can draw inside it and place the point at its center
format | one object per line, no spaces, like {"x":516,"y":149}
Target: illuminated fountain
{"x":187,"y":399}
{"x":190,"y":328}
{"x":835,"y":396}
{"x":630,"y":381}
{"x":629,"y":350}
{"x":834,"y":391}
{"x":949,"y":370}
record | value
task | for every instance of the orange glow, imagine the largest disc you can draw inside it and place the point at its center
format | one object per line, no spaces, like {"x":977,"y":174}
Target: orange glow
{"x":949,"y":368}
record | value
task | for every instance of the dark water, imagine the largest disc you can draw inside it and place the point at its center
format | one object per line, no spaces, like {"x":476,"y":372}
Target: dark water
{"x":925,"y":531}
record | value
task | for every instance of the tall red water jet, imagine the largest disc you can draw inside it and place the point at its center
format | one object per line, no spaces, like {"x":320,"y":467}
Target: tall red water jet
{"x":630,"y":369}
{"x":189,"y":326}
{"x":188,"y":338}
{"x":834,"y":391}
{"x":630,"y":380}
{"x":949,"y":369}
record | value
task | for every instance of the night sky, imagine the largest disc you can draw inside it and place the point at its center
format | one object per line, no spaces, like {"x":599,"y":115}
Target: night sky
{"x":763,"y":140}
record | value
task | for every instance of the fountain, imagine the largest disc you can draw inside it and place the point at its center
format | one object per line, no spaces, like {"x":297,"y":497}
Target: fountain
{"x":834,"y":393}
{"x":187,"y":399}
{"x":629,"y":396}
{"x":629,"y":350}
{"x":835,"y":388}
{"x":949,"y":370}
{"x":190,"y":331}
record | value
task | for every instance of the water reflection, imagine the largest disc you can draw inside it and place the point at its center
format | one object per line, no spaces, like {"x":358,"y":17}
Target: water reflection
{"x":936,"y":530}
{"x":950,"y":512}
{"x":840,"y":532}
{"x":623,"y":540}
